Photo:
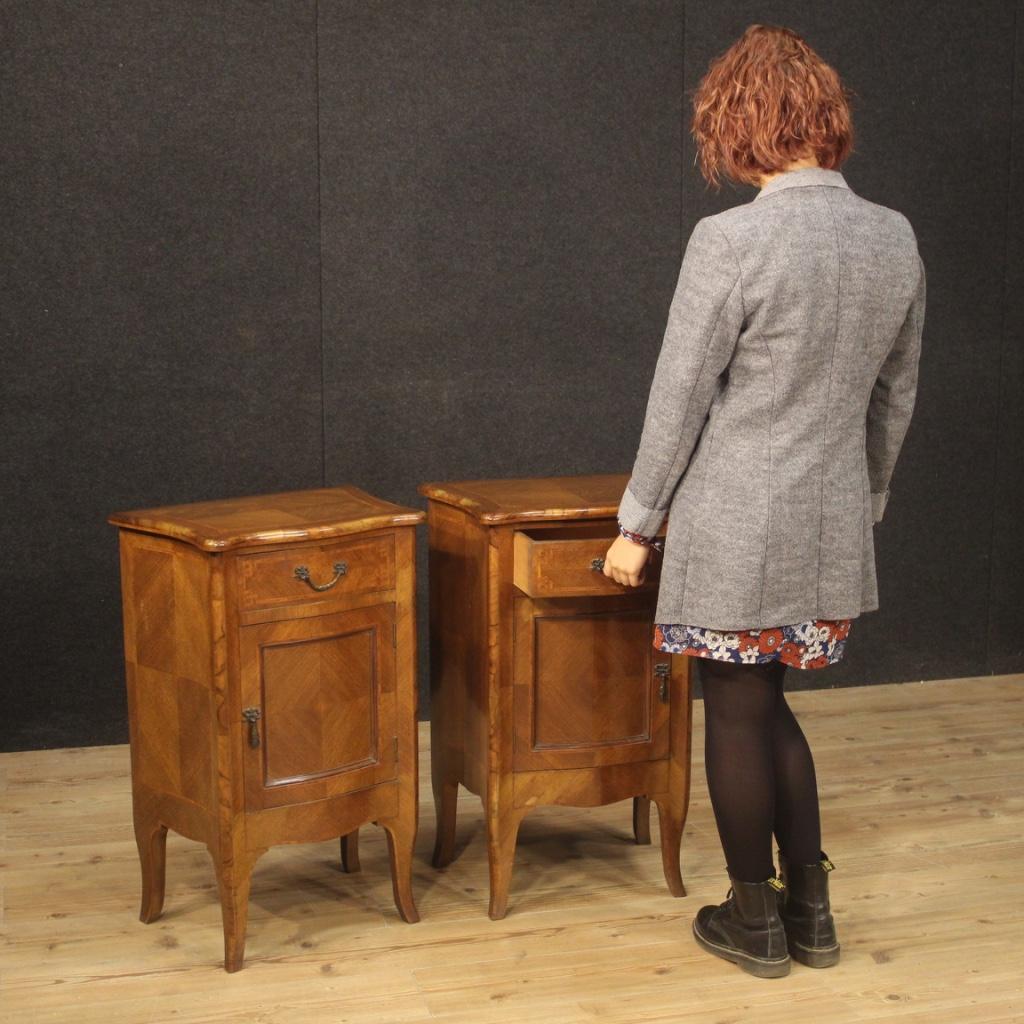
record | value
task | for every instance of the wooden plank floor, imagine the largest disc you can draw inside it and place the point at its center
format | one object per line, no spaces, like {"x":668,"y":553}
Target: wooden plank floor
{"x":922,"y":788}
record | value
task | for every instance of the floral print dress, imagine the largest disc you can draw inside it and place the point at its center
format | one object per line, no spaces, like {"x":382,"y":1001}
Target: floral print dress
{"x":815,"y":643}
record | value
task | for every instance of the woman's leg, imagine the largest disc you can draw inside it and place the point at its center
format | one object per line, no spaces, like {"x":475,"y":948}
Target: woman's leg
{"x":761,"y":779}
{"x":739,"y":760}
{"x":805,"y":907}
{"x":797,"y":823}
{"x":740,"y":703}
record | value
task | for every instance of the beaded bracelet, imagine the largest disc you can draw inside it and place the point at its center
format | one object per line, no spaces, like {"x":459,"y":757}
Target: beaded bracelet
{"x":639,"y":538}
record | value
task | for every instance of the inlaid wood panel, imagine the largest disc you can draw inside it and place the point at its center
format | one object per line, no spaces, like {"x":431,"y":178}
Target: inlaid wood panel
{"x":584,"y":695}
{"x":167,"y":666}
{"x":319,"y":700}
{"x":151,"y":585}
{"x":172,"y":719}
{"x":324,"y":690}
{"x":585,"y":685}
{"x":167,"y":588}
{"x":458,"y":648}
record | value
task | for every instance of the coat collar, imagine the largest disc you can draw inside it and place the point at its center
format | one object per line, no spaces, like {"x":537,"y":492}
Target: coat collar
{"x":803,"y":176}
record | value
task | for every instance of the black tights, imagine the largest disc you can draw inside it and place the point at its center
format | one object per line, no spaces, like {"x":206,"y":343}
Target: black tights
{"x":759,"y":769}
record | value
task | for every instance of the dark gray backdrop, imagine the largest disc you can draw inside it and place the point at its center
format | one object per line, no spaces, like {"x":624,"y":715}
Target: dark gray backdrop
{"x":276,"y":244}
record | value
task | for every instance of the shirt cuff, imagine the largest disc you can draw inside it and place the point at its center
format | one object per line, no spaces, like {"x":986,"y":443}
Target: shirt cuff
{"x":638,"y":518}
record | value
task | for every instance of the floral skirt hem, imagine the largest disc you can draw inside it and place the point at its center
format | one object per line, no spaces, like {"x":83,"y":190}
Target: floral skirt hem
{"x":813,"y":644}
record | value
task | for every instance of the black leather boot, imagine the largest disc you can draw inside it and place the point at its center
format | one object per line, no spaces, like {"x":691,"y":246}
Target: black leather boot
{"x":746,"y":929}
{"x":805,"y":912}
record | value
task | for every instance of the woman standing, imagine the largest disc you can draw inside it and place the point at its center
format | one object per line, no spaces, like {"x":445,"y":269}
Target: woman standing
{"x":781,"y":397}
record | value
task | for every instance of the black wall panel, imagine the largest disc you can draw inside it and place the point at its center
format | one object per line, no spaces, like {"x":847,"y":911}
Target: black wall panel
{"x":1006,"y":600}
{"x":161,"y":323}
{"x":500,"y":189}
{"x":265,"y":245}
{"x":932,"y":112}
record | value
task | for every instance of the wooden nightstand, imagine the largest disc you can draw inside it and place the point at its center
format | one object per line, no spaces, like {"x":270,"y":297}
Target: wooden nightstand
{"x":270,"y":659}
{"x":545,"y":684}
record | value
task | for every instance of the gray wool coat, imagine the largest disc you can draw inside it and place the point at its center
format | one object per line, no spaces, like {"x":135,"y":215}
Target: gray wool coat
{"x":781,"y":397}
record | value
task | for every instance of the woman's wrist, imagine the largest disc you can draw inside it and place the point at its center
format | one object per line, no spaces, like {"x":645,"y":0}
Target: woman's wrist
{"x":644,"y":541}
{"x":636,"y":538}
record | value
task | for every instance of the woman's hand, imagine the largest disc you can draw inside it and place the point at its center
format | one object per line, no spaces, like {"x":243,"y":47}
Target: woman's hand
{"x":625,"y":560}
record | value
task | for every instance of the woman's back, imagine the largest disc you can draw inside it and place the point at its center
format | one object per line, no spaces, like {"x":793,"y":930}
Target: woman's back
{"x":789,"y":371}
{"x":827,"y":279}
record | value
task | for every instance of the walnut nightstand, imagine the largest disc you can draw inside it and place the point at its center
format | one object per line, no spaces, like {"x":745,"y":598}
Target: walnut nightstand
{"x":270,"y":652}
{"x":545,"y":684}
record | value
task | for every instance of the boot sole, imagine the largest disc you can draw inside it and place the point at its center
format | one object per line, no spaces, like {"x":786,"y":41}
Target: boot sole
{"x":751,"y":964}
{"x":814,"y":956}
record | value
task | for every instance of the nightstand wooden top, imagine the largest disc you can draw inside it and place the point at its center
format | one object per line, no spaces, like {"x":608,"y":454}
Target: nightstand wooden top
{"x":277,"y":518}
{"x":533,"y":498}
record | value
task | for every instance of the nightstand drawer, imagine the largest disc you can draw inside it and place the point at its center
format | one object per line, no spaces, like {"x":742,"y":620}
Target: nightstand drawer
{"x":324,"y":572}
{"x":567,"y":561}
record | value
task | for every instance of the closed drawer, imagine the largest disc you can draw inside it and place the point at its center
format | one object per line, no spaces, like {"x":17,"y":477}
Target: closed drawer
{"x":293,"y":575}
{"x":567,"y":561}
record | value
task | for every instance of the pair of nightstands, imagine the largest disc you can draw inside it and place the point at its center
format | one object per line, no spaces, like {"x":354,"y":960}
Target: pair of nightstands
{"x":270,"y":649}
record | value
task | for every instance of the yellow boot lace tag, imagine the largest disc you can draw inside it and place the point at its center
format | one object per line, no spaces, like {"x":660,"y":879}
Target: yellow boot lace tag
{"x":827,"y":864}
{"x":776,"y":884}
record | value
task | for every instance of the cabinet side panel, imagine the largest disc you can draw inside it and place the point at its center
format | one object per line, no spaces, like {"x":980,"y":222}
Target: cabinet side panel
{"x":167,"y":650}
{"x":477,"y":628}
{"x":458,"y":622}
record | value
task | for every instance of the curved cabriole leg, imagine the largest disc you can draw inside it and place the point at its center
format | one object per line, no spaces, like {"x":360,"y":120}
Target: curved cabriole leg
{"x":401,"y":840}
{"x":642,"y":820}
{"x":151,"y":839}
{"x":350,"y":851}
{"x":446,"y":794}
{"x":233,"y":881}
{"x":670,"y":821}
{"x":502,"y":832}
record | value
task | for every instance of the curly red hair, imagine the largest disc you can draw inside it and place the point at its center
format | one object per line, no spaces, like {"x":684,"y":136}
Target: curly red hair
{"x":766,"y":102}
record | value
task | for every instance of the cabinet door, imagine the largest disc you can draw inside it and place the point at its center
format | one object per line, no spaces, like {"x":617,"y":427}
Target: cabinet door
{"x":318,"y":705}
{"x":587,"y":687}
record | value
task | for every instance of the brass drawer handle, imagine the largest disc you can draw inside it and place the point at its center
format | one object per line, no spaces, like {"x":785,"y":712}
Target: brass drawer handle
{"x":302,"y":573}
{"x":662,"y":670}
{"x":252,"y":716}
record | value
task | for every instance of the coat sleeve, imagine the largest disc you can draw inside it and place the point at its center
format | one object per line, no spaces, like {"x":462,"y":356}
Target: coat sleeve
{"x":704,"y":322}
{"x":892,"y":400}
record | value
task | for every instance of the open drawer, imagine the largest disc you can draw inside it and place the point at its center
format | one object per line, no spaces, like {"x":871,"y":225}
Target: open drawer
{"x":567,"y":561}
